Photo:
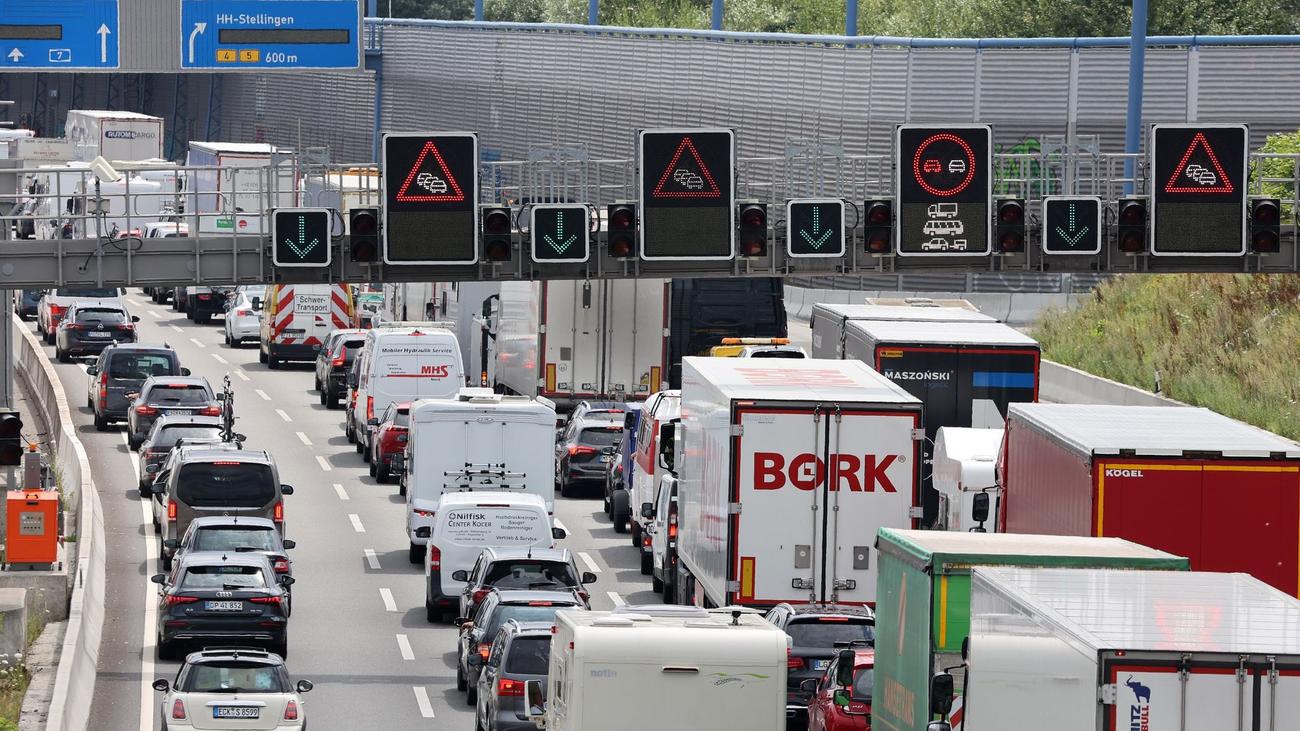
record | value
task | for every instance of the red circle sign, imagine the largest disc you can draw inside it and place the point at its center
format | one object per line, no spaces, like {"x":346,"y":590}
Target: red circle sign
{"x":943,"y":168}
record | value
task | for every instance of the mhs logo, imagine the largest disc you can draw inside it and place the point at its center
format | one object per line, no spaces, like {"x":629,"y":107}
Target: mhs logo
{"x":807,"y":472}
{"x":1123,"y":473}
{"x":436,"y":371}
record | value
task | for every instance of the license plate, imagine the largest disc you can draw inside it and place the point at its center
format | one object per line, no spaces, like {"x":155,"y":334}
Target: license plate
{"x":100,"y":335}
{"x":224,"y":606}
{"x":607,"y":458}
{"x":293,"y":331}
{"x":821,"y":664}
{"x":236,"y":711}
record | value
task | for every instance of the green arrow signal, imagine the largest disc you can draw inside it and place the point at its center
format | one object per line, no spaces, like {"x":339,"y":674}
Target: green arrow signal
{"x":817,"y":238}
{"x":1073,"y":241}
{"x":301,"y":247}
{"x":559,"y":243}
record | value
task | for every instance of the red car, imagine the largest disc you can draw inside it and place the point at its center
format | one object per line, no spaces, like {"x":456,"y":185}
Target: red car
{"x":932,"y":166}
{"x":835,"y":707}
{"x":389,"y":440}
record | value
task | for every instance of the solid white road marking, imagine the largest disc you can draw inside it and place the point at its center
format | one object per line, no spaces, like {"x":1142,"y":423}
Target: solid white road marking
{"x":177,"y":329}
{"x":404,"y":646}
{"x":591,"y":565}
{"x":324,"y":464}
{"x":303,"y":438}
{"x":372,"y":559}
{"x":343,"y":494}
{"x":148,"y":697}
{"x":422,"y":700}
{"x":283,"y":415}
{"x":217,"y":357}
{"x":241,"y":376}
{"x":389,"y":603}
{"x":614,"y":597}
{"x":261,"y":393}
{"x":356,"y":523}
{"x":197,"y":343}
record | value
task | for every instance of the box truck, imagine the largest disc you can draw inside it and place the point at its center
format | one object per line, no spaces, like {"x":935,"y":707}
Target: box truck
{"x":575,"y":340}
{"x":703,"y":311}
{"x":653,"y":668}
{"x":923,"y":612}
{"x":238,"y":183}
{"x":828,"y":321}
{"x":1107,"y":650}
{"x":1181,"y":479}
{"x":963,"y":469}
{"x":114,"y":135}
{"x":789,"y":468}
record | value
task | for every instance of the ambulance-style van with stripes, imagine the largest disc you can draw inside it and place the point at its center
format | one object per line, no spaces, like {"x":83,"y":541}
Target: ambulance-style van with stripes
{"x":296,"y":319}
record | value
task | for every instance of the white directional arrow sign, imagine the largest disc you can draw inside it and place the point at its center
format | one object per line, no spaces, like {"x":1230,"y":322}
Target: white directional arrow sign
{"x":103,"y":42}
{"x":1071,"y":224}
{"x":15,"y":55}
{"x":301,"y":237}
{"x":198,"y":31}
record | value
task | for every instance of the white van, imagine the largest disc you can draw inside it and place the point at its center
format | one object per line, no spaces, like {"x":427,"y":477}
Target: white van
{"x":468,"y":522}
{"x":297,"y":318}
{"x":478,"y":440}
{"x":404,"y":362}
{"x":659,"y":409}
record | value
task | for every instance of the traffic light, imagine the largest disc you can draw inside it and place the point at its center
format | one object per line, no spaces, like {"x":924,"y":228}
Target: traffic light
{"x":363,"y":227}
{"x":621,"y":230}
{"x":879,"y":228}
{"x":1132,"y":229}
{"x":11,"y":438}
{"x":1265,"y":225}
{"x":753,"y":229}
{"x":1010,"y":237}
{"x":496,"y":233}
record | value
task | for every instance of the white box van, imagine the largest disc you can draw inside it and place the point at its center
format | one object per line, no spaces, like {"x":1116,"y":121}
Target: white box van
{"x":404,"y":363}
{"x":468,"y":522}
{"x":659,"y":409}
{"x":476,"y":441}
{"x":297,"y":318}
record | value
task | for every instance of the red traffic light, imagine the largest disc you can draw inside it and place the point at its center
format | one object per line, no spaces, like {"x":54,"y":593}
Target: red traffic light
{"x":1011,"y":212}
{"x":879,"y":213}
{"x":496,"y":221}
{"x":364,"y":223}
{"x":754,"y":217}
{"x":753,"y":229}
{"x":1132,"y":213}
{"x":621,"y":227}
{"x":1265,"y":225}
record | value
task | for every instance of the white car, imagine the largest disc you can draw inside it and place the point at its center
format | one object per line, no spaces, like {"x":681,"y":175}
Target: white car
{"x":243,"y":316}
{"x":431,"y":183}
{"x":688,"y":179}
{"x":233,"y":688}
{"x":956,"y":166}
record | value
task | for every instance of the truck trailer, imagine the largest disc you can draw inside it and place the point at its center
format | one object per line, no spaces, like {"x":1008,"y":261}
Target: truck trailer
{"x":1108,"y":650}
{"x":240,"y":183}
{"x":923,"y":612}
{"x":114,"y":135}
{"x":1181,"y":479}
{"x":788,"y":469}
{"x":829,"y":322}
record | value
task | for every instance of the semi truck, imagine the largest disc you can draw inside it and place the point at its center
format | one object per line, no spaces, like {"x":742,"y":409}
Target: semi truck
{"x":789,"y":467}
{"x":114,"y":135}
{"x":963,"y":468}
{"x":1115,"y":650}
{"x":1181,"y":479}
{"x":924,"y":592}
{"x":829,"y":321}
{"x":240,"y":183}
{"x":704,"y":311}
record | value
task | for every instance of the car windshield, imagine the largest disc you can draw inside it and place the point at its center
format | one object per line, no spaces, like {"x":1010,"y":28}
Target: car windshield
{"x":527,"y":574}
{"x":235,"y":677}
{"x":169,"y":434}
{"x":98,"y":316}
{"x":230,"y":538}
{"x":535,"y":612}
{"x":179,"y":395}
{"x":529,"y":656}
{"x":139,"y":366}
{"x":824,"y":632}
{"x":225,"y":485}
{"x":601,"y":436}
{"x":863,"y":679}
{"x":86,"y":292}
{"x":221,"y":577}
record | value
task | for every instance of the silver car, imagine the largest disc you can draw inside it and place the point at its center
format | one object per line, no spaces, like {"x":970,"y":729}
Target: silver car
{"x":243,"y":315}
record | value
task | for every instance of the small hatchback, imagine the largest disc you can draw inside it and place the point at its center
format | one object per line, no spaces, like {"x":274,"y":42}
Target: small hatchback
{"x":159,"y":395}
{"x":89,"y":327}
{"x":391,"y":432}
{"x":242,"y":535}
{"x":233,"y":688}
{"x":537,"y":569}
{"x":222,"y":596}
{"x":841,"y":698}
{"x":333,"y":362}
{"x":242,"y":319}
{"x":521,"y":652}
{"x":121,"y":371}
{"x":585,"y":449}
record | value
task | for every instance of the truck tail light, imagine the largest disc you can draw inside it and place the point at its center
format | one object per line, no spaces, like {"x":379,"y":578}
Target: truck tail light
{"x":509,"y":687}
{"x":435,"y":558}
{"x":178,"y":710}
{"x":171,"y":512}
{"x":146,"y":410}
{"x":370,"y":407}
{"x":291,"y":710}
{"x":278,"y":514}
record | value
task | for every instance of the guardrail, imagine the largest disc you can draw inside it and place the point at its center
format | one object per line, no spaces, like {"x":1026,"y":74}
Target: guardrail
{"x":74,"y":684}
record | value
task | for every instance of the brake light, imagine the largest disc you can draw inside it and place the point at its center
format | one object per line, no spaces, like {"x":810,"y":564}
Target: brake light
{"x":264,"y":599}
{"x":74,"y":326}
{"x":281,"y":566}
{"x":575,"y":450}
{"x":244,"y":313}
{"x":171,"y":512}
{"x":832,"y":619}
{"x":127,"y":326}
{"x":645,"y":540}
{"x":370,"y":407}
{"x":172,"y":600}
{"x":541,"y":604}
{"x":479,"y":594}
{"x":483,"y":649}
{"x":585,"y":596}
{"x":210,"y":411}
{"x":435,"y":558}
{"x":178,"y":710}
{"x":145,"y":410}
{"x":278,"y":514}
{"x":793,"y":663}
{"x":672,"y":527}
{"x":509,"y":687}
{"x":339,"y":362}
{"x":424,"y":513}
{"x":103,"y":389}
{"x":291,"y":710}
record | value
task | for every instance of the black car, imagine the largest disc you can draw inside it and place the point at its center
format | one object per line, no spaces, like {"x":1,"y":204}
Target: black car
{"x":333,"y":362}
{"x":240,"y":534}
{"x":222,"y":597}
{"x":817,"y":632}
{"x":497,"y":608}
{"x":584,"y":451}
{"x":89,"y":327}
{"x":204,"y":303}
{"x":163,"y":437}
{"x":168,"y":395}
{"x":121,"y":370}
{"x":27,"y":305}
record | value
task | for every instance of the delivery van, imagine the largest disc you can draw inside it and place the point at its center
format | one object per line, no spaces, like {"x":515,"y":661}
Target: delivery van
{"x":404,"y":362}
{"x":468,"y":522}
{"x":296,"y":319}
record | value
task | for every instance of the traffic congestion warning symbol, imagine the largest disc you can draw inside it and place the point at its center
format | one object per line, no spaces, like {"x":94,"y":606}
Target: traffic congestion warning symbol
{"x":430,"y":180}
{"x":686,"y":176}
{"x":1199,"y":170}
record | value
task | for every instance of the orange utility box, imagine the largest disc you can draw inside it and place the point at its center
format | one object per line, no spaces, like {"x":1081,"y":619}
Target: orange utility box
{"x":32,"y":534}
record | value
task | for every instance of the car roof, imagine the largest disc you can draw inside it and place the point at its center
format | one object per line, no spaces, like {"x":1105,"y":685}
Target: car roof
{"x":594,"y":420}
{"x":523,"y":596}
{"x":212,"y":453}
{"x":243,"y":654}
{"x":830,"y":610}
{"x":496,"y":553}
{"x":186,"y":380}
{"x":516,"y":627}
{"x":188,"y":419}
{"x":225,"y":558}
{"x":210,"y":521}
{"x":95,"y":304}
{"x":139,"y":348}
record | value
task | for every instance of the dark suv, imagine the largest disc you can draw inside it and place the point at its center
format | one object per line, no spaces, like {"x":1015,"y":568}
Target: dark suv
{"x":333,"y":362}
{"x":166,"y":433}
{"x":586,"y":448}
{"x":549,"y":569}
{"x":499,"y":607}
{"x":121,"y":370}
{"x":204,"y":303}
{"x":521,"y":652}
{"x":89,"y":327}
{"x":817,"y":632}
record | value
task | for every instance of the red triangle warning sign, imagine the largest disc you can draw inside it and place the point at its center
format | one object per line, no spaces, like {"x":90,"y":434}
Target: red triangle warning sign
{"x":430,"y":180}
{"x":1193,"y":177}
{"x":686,"y":178}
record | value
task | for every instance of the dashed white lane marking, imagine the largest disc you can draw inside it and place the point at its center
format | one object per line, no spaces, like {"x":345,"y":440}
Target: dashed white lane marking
{"x":591,"y":565}
{"x":154,"y":314}
{"x":324,"y":464}
{"x":197,"y":343}
{"x":147,"y":695}
{"x":343,"y":494}
{"x":303,"y":438}
{"x":177,"y":329}
{"x":356,"y":523}
{"x":283,"y":415}
{"x":421,"y":700}
{"x":389,"y":603}
{"x":217,"y":357}
{"x":560,"y":525}
{"x":241,"y":376}
{"x":372,"y":559}
{"x":614,"y":597}
{"x":404,"y":646}
{"x":262,"y":394}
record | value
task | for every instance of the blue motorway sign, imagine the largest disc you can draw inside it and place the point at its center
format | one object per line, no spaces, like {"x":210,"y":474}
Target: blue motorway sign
{"x":58,"y":34}
{"x":261,"y":35}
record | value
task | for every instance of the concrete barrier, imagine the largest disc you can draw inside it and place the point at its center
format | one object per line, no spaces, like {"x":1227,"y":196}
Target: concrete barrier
{"x":1062,"y":384}
{"x":13,"y":623}
{"x":74,"y":685}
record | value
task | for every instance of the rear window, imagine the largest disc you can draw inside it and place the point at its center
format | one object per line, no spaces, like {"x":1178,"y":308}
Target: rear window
{"x":863,"y":679}
{"x":101,"y":316}
{"x":525,"y":574}
{"x":234,"y":677}
{"x":86,"y":292}
{"x":139,"y":366}
{"x":601,"y":436}
{"x":220,"y":577}
{"x":529,"y":656}
{"x":776,"y":354}
{"x":169,"y":434}
{"x":179,"y":395}
{"x":229,"y":538}
{"x":522,"y":613}
{"x":824,"y":632}
{"x":225,"y":484}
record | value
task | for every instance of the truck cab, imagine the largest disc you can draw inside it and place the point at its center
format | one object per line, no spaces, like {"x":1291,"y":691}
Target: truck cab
{"x":965,"y":476}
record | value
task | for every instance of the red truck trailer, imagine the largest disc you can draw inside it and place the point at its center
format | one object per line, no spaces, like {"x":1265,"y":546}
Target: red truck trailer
{"x":1181,"y":479}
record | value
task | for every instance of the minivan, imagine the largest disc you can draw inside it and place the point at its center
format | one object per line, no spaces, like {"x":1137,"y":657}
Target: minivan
{"x":208,"y":479}
{"x":404,"y":362}
{"x":659,"y":409}
{"x":121,"y":370}
{"x":464,"y":524}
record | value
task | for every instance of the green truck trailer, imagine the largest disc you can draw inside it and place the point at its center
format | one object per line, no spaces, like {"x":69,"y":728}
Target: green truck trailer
{"x":923,"y":602}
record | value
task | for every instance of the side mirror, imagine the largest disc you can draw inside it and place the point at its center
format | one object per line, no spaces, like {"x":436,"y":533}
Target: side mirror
{"x":460,"y":575}
{"x":185,"y":371}
{"x":161,"y":685}
{"x":423,"y":532}
{"x":289,"y":543}
{"x":841,"y":698}
{"x":158,"y":578}
{"x":171,"y":544}
{"x":844,"y":668}
{"x":647,"y":510}
{"x":135,"y":318}
{"x":980,"y":507}
{"x":588,"y":577}
{"x":286,"y":489}
{"x":559,"y":534}
{"x":461,"y":622}
{"x":94,"y":371}
{"x":257,"y":303}
{"x":221,"y":397}
{"x":304,"y":686}
{"x":535,"y":700}
{"x":152,"y":469}
{"x":941,"y":694}
{"x":474,"y":660}
{"x":809,"y":685}
{"x":372,"y":421}
{"x":287,"y":581}
{"x":965,"y":648}
{"x":159,"y":488}
{"x":315,"y":348}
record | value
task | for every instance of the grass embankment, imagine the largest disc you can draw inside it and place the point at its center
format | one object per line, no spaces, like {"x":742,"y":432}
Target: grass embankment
{"x":1228,"y":342}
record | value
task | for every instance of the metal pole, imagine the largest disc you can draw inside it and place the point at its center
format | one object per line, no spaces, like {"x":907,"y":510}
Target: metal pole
{"x":851,"y":17}
{"x":1137,"y":57}
{"x":478,"y":10}
{"x":593,"y":12}
{"x":99,"y":236}
{"x":372,"y":8}
{"x":717,"y":15}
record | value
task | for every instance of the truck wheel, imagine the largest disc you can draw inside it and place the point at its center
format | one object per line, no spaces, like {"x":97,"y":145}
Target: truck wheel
{"x":101,"y":424}
{"x":636,"y":534}
{"x":656,"y":585}
{"x":647,"y":564}
{"x":416,"y":553}
{"x":433,"y":615}
{"x":670,"y":593}
{"x":272,"y":363}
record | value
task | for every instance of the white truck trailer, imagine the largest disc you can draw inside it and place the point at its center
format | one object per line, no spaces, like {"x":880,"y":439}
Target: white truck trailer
{"x":789,"y":467}
{"x":114,"y":135}
{"x":1123,"y":650}
{"x":240,"y":183}
{"x":653,"y":668}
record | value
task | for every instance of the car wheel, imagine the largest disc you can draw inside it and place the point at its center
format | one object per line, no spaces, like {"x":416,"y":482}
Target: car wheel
{"x":357,"y":443}
{"x":133,"y":443}
{"x":460,"y":678}
{"x":272,"y":363}
{"x":609,"y":508}
{"x":166,"y":650}
{"x":101,"y":424}
{"x":365,"y":456}
{"x":416,"y":554}
{"x":331,"y":401}
{"x":656,"y":585}
{"x":636,"y":533}
{"x":324,"y":401}
{"x":348,"y":432}
{"x":647,"y":564}
{"x":670,"y":593}
{"x":373,"y":471}
{"x":166,"y":562}
{"x":62,"y":355}
{"x":316,"y":387}
{"x":566,"y":490}
{"x":229,"y":343}
{"x":146,"y":492}
{"x":620,"y":525}
{"x":382,"y":474}
{"x":471,"y":695}
{"x":401,"y":489}
{"x":261,"y":356}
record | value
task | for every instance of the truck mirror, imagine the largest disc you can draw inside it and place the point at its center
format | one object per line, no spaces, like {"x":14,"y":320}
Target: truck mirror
{"x":185,"y":371}
{"x":289,"y":543}
{"x":423,"y":532}
{"x":158,"y":488}
{"x":171,"y":544}
{"x":844,"y":668}
{"x":588,"y":577}
{"x":257,"y":303}
{"x":941,"y":694}
{"x":980,"y":507}
{"x":475,"y":660}
{"x":536,"y":700}
{"x":647,"y":510}
{"x":558,"y":534}
{"x":965,"y":648}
